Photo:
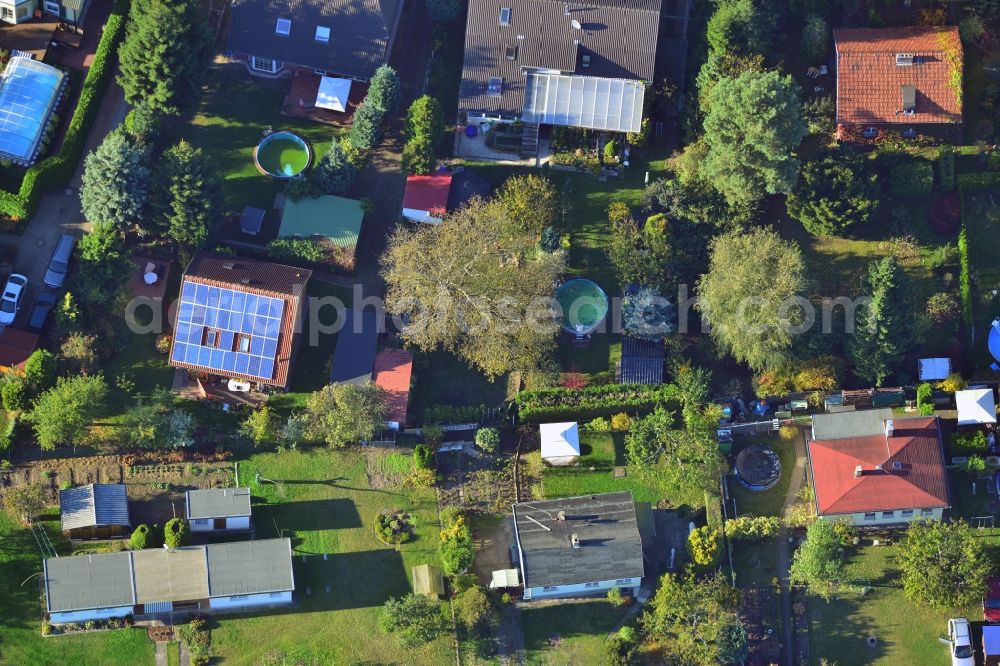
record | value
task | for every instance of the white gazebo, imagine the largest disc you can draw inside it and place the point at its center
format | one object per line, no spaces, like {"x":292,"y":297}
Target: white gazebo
{"x":333,"y":93}
{"x":560,"y":443}
{"x":976,"y":406}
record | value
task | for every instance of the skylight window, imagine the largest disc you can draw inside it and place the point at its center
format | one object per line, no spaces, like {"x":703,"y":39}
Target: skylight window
{"x":283,"y":27}
{"x":495,"y":87}
{"x":505,"y":16}
{"x":322,"y":34}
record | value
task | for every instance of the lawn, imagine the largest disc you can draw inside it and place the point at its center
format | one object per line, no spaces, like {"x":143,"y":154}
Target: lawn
{"x":600,"y":453}
{"x":322,"y":500}
{"x":235,"y":109}
{"x":570,"y":633}
{"x":906,"y":633}
{"x":21,"y":641}
{"x":441,"y":378}
{"x":767,"y":502}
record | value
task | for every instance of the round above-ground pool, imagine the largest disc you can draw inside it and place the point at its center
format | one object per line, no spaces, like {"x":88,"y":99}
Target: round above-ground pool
{"x":584,"y":305}
{"x":758,"y":467}
{"x":282,"y":155}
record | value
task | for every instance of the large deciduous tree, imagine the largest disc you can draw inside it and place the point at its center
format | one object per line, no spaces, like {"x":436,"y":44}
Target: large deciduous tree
{"x":187,"y":196}
{"x":342,"y":414}
{"x":414,"y":619}
{"x":689,"y":614}
{"x":833,"y":195}
{"x":944,"y":565}
{"x":116,"y":181}
{"x":476,"y":285}
{"x":819,"y":562}
{"x":752,"y":129}
{"x":750,"y":296}
{"x":62,"y":414}
{"x":26,"y":502}
{"x":641,"y":254}
{"x":165,"y":52}
{"x":887,"y":327}
{"x":681,"y":463}
{"x":103,"y":265}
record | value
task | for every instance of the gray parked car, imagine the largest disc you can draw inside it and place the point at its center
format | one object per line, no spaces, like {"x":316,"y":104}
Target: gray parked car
{"x":55,"y":274}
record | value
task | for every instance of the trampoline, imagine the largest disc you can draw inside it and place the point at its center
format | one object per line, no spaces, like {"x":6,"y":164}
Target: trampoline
{"x":993,"y":342}
{"x":282,"y":155}
{"x":584,"y":306}
{"x":758,"y":467}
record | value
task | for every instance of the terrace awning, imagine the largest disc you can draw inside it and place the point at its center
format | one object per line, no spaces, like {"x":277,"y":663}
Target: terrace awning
{"x":333,"y":93}
{"x":584,"y":101}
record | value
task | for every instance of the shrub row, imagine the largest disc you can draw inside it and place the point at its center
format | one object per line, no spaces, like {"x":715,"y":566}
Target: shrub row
{"x":593,"y":401}
{"x":946,"y":169}
{"x":978,"y":181}
{"x":58,"y":169}
{"x":453,"y":414}
{"x":964,"y":285}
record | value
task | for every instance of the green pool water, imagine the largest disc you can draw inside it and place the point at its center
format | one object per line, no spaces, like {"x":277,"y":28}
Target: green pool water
{"x":282,"y":155}
{"x":584,"y":305}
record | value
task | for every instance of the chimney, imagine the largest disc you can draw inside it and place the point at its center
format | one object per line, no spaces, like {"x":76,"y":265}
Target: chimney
{"x":561,"y":516}
{"x":575,"y":540}
{"x":566,"y":13}
{"x":229,"y":265}
{"x":857,"y":471}
{"x":888,"y":428}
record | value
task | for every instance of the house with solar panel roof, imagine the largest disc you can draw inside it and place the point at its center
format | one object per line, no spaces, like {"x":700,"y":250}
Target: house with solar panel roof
{"x":239,"y":321}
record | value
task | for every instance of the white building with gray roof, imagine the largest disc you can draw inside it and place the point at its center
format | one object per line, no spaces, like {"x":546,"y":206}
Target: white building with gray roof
{"x":213,"y":578}
{"x":578,"y":546}
{"x":218,"y":509}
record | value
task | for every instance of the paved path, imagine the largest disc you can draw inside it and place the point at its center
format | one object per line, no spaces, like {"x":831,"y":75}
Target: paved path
{"x":510,"y":636}
{"x":185,"y":653}
{"x":784,"y":552}
{"x":161,"y":653}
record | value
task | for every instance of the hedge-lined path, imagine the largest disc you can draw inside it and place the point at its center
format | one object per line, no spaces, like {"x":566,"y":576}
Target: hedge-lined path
{"x":59,"y":210}
{"x":784,"y":552}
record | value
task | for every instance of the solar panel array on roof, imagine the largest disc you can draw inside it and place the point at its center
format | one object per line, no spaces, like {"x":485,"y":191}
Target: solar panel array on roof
{"x":29,"y":91}
{"x":584,"y":101}
{"x":227,"y":330}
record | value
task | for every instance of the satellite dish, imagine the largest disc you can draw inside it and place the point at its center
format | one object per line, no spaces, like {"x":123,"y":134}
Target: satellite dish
{"x":576,"y":24}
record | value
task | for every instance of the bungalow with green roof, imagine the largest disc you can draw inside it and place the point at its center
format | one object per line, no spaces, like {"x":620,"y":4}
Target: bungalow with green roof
{"x":332,"y":222}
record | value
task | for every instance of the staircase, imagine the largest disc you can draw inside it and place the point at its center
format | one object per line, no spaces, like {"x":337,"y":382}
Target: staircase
{"x":529,"y":141}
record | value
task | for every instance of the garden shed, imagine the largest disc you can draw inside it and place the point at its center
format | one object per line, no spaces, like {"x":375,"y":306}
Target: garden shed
{"x":976,"y":406}
{"x":427,"y":580}
{"x":335,"y":219}
{"x":933,"y":369}
{"x":560,"y":443}
{"x":426,"y":197}
{"x":354,"y":356}
{"x":94,"y":511}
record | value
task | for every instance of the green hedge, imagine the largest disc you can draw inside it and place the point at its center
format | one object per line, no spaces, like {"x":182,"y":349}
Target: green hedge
{"x":912,"y":179}
{"x":57,"y":170}
{"x":964,"y":286}
{"x":978,"y":181}
{"x":946,"y":168}
{"x":593,"y":401}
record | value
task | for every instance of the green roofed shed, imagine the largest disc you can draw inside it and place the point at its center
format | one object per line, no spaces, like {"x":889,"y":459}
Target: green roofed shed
{"x":334,"y":218}
{"x":427,"y":580}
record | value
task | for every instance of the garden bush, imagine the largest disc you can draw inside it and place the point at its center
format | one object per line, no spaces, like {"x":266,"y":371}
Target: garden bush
{"x":946,"y":168}
{"x":140,"y":538}
{"x":422,"y":456}
{"x":176,"y":533}
{"x":295,"y":249}
{"x":58,"y":169}
{"x":970,"y":441}
{"x":395,"y":526}
{"x":456,"y":542}
{"x":621,"y":422}
{"x":488,"y":439}
{"x":12,"y":395}
{"x":909,"y":179}
{"x":703,"y":545}
{"x":453,"y":413}
{"x":964,"y":282}
{"x":593,"y":401}
{"x":752,"y":528}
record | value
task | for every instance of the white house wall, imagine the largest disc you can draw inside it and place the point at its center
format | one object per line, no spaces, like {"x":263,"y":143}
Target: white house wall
{"x":238,"y":523}
{"x":86,"y":615}
{"x":208,"y":524}
{"x":562,"y":461}
{"x":881,"y":518}
{"x":246,"y":600}
{"x":580,"y":589}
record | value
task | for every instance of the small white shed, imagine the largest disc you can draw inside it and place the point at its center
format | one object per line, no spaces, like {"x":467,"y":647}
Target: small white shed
{"x":933,"y":369}
{"x":560,"y":443}
{"x":976,"y":406}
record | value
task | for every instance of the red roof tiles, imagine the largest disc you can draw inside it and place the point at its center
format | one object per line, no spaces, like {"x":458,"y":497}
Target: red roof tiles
{"x":15,"y":347}
{"x":428,"y":193}
{"x":392,"y":371}
{"x":919,"y":483}
{"x":870,"y":83}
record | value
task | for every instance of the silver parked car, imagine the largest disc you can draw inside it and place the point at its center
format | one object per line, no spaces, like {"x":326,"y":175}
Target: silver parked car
{"x":55,"y":274}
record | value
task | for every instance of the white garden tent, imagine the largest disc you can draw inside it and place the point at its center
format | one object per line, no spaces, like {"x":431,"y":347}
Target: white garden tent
{"x":560,"y":443}
{"x":976,"y":406}
{"x":333,"y":93}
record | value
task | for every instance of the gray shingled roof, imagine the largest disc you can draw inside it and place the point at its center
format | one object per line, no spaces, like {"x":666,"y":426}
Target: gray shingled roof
{"x":88,"y":581}
{"x":94,"y":504}
{"x":610,"y":545}
{"x":361,"y":33}
{"x":850,"y":424}
{"x":111,"y":579}
{"x":218,"y":503}
{"x":250,"y":567}
{"x":619,"y":36}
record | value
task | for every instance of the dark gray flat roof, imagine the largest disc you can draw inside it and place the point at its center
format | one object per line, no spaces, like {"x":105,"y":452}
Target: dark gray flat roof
{"x":82,"y":582}
{"x":250,"y":567}
{"x":354,"y":355}
{"x":610,"y":544}
{"x":218,"y":503}
{"x":93,"y":504}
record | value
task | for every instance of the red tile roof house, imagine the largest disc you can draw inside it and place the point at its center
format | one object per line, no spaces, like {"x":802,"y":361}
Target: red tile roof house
{"x":392,"y":372}
{"x":904,"y":79}
{"x":891,"y":477}
{"x":426,"y":197}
